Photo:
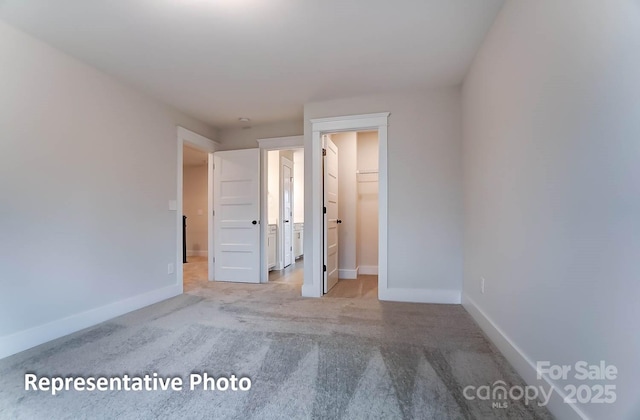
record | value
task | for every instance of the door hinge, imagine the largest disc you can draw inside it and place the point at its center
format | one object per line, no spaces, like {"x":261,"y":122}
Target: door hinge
{"x":214,"y":212}
{"x":324,"y":210}
{"x":324,"y":268}
{"x":214,"y":259}
{"x":324,"y":152}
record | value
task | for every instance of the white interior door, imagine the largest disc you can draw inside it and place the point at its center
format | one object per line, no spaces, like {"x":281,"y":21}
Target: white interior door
{"x":331,"y":215}
{"x":236,"y":215}
{"x":287,"y":211}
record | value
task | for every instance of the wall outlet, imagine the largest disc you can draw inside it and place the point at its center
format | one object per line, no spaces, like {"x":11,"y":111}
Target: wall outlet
{"x":482,"y":285}
{"x":170,"y":268}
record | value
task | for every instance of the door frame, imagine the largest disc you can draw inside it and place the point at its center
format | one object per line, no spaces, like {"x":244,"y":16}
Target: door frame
{"x":313,"y":229}
{"x":285,"y":162}
{"x":265,"y":145}
{"x":208,"y":146}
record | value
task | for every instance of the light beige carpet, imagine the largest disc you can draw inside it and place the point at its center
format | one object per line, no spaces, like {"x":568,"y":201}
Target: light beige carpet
{"x":333,"y":358}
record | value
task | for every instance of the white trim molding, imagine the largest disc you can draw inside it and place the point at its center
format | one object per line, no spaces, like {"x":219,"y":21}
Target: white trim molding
{"x":368,"y":270}
{"x":35,"y":336}
{"x":196,"y":139}
{"x":350,"y":122}
{"x":280,"y":143}
{"x":348,"y":273}
{"x":313,"y":275}
{"x":522,"y":363}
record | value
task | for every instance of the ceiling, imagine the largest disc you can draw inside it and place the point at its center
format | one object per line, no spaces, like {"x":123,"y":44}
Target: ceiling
{"x":193,"y":157}
{"x":218,"y":60}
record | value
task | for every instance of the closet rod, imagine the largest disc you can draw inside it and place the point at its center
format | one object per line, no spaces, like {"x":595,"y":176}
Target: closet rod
{"x":367,"y":171}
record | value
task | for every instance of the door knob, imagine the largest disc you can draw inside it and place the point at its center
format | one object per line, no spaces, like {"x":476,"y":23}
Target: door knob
{"x":339,"y":221}
{"x":255,"y":222}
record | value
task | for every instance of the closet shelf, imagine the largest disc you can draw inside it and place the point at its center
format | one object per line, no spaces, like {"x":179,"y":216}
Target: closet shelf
{"x":372,"y":175}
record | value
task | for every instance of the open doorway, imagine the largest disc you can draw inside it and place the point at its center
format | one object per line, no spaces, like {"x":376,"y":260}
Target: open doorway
{"x":350,"y":190}
{"x":285,"y":206}
{"x":285,"y":215}
{"x":194,"y":211}
{"x":315,"y":267}
{"x":282,"y":194}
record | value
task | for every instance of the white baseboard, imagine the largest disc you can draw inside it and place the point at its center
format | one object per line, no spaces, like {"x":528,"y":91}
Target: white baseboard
{"x":35,"y":336}
{"x":525,"y":367}
{"x":344,"y":273}
{"x":368,"y":270}
{"x":419,"y":295}
{"x":199,"y":253}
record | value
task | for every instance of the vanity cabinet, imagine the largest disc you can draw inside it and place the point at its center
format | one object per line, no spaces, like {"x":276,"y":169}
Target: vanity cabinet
{"x":298,"y":239}
{"x":272,"y":245}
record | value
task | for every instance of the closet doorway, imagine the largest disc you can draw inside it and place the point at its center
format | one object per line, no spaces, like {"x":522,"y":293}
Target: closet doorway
{"x":315,"y":247}
{"x":350,"y":191}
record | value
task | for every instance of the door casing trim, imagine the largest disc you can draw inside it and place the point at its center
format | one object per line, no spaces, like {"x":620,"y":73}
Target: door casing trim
{"x":313,"y":274}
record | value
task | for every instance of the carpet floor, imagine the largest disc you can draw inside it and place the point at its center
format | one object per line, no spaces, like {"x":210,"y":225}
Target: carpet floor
{"x":329,"y":358}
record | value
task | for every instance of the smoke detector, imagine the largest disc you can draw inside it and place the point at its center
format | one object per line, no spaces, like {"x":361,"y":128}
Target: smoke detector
{"x":246,"y":122}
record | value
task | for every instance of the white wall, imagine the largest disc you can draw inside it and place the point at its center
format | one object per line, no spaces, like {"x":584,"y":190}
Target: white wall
{"x":298,"y":186}
{"x":87,"y":168}
{"x":552,"y":187}
{"x":367,"y":203}
{"x":347,"y":203}
{"x":425,"y":187}
{"x":239,"y":138}
{"x":194,"y":206}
